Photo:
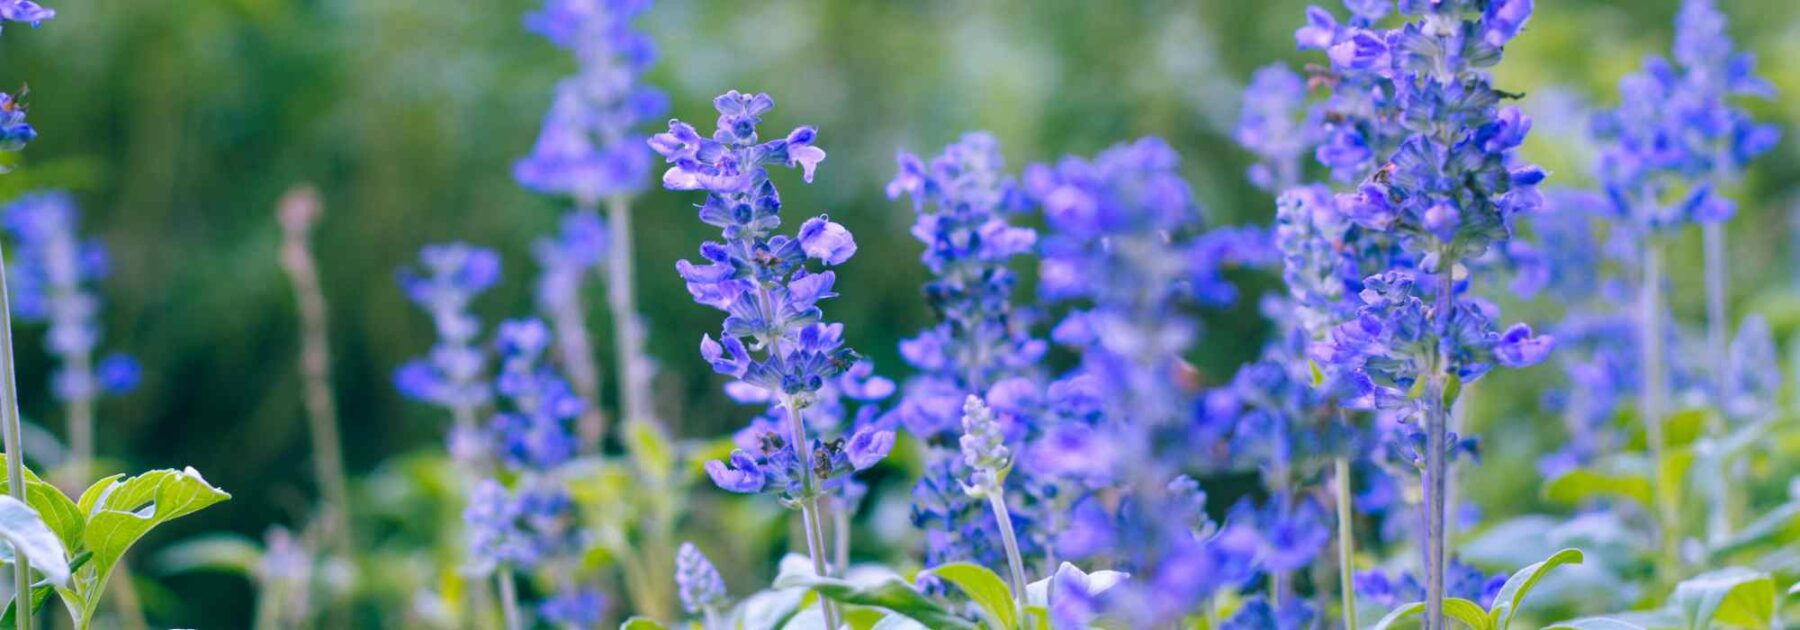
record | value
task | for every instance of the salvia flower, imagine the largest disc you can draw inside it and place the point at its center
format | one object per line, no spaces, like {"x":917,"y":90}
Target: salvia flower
{"x":697,"y":581}
{"x":774,"y":337}
{"x":575,"y":608}
{"x":449,"y":278}
{"x":964,"y":200}
{"x":534,"y":432}
{"x":589,"y":149}
{"x":25,"y":11}
{"x":983,"y":449}
{"x":1675,"y":137}
{"x":53,"y":273}
{"x":1277,"y":126}
{"x":15,"y":132}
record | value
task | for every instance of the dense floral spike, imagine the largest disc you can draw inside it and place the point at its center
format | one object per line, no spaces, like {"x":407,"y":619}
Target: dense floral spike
{"x":774,"y":338}
{"x":534,"y":432}
{"x":452,"y":375}
{"x":1126,"y":247}
{"x":698,"y":582}
{"x":1445,"y":189}
{"x":52,"y":276}
{"x":588,"y":149}
{"x":1675,"y":137}
{"x":517,"y":528}
{"x":964,"y":199}
{"x":1278,"y":127}
{"x":575,"y":608}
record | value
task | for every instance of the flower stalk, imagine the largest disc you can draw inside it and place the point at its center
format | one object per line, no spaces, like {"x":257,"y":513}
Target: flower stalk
{"x":10,"y":431}
{"x":1653,"y":401}
{"x":1346,"y":541}
{"x":299,"y":212}
{"x":809,"y":503}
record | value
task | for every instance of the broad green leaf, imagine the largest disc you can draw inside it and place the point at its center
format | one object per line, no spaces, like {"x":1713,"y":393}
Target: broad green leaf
{"x":984,"y":587}
{"x":642,"y":623}
{"x":1402,"y":613}
{"x":58,"y":512}
{"x":768,"y":610}
{"x":119,"y":512}
{"x":40,"y":594}
{"x":896,"y":621}
{"x":27,"y":535}
{"x":1582,"y":485}
{"x":1778,"y":525}
{"x":1469,"y":613}
{"x":1735,"y":595}
{"x":1512,"y":594}
{"x":891,"y":594}
{"x":228,"y":553}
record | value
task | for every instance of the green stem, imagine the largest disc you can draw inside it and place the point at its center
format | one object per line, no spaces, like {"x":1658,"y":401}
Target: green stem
{"x":1651,"y":405}
{"x":628,"y":333}
{"x":509,"y":599}
{"x":809,"y":504}
{"x":1346,"y":541}
{"x":10,"y":432}
{"x":1014,"y":562}
{"x":1437,"y":419}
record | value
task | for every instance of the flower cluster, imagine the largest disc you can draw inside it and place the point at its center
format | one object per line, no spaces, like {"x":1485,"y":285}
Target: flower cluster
{"x":774,"y":337}
{"x":449,"y":278}
{"x":1446,"y":193}
{"x":53,"y":272}
{"x":1674,"y":136}
{"x":1278,"y":127}
{"x":534,"y":432}
{"x":588,"y":149}
{"x":697,"y":581}
{"x":963,"y":200}
{"x":567,"y":258}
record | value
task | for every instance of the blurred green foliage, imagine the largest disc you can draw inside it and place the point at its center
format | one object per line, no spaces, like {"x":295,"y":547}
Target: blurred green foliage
{"x":179,"y":122}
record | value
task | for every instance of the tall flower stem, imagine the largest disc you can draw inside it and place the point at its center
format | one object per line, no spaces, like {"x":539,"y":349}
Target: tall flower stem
{"x":1719,"y":509}
{"x":509,"y":599}
{"x":1014,"y":562}
{"x":809,"y":504}
{"x":1346,"y":541}
{"x":621,"y":296}
{"x":298,"y":212}
{"x":10,"y":431}
{"x":1652,"y":400}
{"x":80,"y":411}
{"x":840,"y":535}
{"x":1437,"y":419}
{"x":568,"y":317}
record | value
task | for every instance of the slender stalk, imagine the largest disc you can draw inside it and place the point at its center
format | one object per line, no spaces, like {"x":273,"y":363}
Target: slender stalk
{"x":634,"y":378}
{"x":1652,"y":401}
{"x":809,"y":504}
{"x":840,"y":534}
{"x":299,"y":211}
{"x":80,"y":412}
{"x":15,"y":448}
{"x":569,"y":317}
{"x":1719,"y":512}
{"x":1014,"y":563}
{"x":1346,"y":541}
{"x":1437,"y":419}
{"x":509,"y":599}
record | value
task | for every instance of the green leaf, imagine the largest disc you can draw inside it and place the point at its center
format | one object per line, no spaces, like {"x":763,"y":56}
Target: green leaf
{"x":1512,"y":594}
{"x":1735,"y":596}
{"x":27,"y":534}
{"x":1398,"y":614}
{"x":650,"y":449}
{"x":1452,"y":389}
{"x":40,"y":594}
{"x":1465,"y":611}
{"x":768,"y":610}
{"x":1318,"y":375}
{"x":642,"y":623}
{"x":1581,"y":485}
{"x":895,"y":621}
{"x":890,"y":594}
{"x":58,"y":512}
{"x":119,"y":512}
{"x":985,"y":588}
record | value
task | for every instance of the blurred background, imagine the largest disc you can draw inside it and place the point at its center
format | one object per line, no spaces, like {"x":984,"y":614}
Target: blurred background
{"x":178,"y":123}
